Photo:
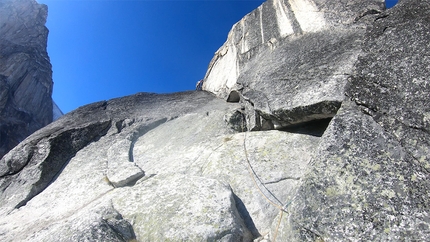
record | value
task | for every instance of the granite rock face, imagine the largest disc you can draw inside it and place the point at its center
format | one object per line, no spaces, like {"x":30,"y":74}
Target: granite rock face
{"x":289,"y":60}
{"x":100,"y":152}
{"x":369,"y":178}
{"x":342,"y":157}
{"x":25,"y":72}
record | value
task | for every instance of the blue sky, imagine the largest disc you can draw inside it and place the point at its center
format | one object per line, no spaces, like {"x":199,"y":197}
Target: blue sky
{"x":102,"y":49}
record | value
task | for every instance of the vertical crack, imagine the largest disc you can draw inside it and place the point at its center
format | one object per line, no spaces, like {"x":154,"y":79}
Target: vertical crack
{"x":292,"y":17}
{"x":140,"y":131}
{"x":122,"y":170}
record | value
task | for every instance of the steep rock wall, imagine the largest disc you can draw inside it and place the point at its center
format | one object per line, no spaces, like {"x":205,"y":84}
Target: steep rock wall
{"x":369,"y":179}
{"x":289,"y":59}
{"x":179,"y":167}
{"x":25,"y":71}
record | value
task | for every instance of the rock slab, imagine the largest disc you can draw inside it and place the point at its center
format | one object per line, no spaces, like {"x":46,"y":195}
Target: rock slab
{"x":342,"y":157}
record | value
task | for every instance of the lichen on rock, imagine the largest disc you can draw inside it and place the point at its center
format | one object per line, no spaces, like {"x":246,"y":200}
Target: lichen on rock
{"x":314,"y":126}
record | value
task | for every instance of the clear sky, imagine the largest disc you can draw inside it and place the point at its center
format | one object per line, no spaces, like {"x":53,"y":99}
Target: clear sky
{"x":102,"y":49}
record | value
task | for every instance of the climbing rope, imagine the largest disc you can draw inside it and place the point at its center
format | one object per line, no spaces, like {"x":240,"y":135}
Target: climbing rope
{"x":253,"y":175}
{"x":282,"y":208}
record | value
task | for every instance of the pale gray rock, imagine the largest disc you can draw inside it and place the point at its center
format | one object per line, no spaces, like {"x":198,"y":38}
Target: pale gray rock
{"x":38,"y":163}
{"x":96,"y":223}
{"x":289,"y":60}
{"x":182,"y":208}
{"x":270,"y":163}
{"x":342,"y":157}
{"x":362,"y":184}
{"x":278,"y":158}
{"x":25,"y":72}
{"x":34,"y":164}
{"x":392,"y":83}
{"x":102,"y":161}
{"x":170,"y":166}
{"x":369,"y":179}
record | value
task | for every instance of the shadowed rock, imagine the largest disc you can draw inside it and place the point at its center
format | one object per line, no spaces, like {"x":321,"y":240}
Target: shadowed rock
{"x":369,"y":177}
{"x":25,"y":72}
{"x":324,"y":166}
{"x":289,"y":60}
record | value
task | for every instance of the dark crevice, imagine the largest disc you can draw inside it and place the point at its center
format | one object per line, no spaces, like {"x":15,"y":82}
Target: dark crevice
{"x":132,"y":181}
{"x":144,"y":178}
{"x":233,"y":97}
{"x":309,"y":119}
{"x":282,"y":179}
{"x":121,"y":227}
{"x":123,"y":231}
{"x":385,"y":29}
{"x":140,"y":131}
{"x":382,"y":16}
{"x":246,"y":217}
{"x":130,"y":151}
{"x":121,"y":124}
{"x":314,"y":127}
{"x":305,"y":113}
{"x":368,"y":12}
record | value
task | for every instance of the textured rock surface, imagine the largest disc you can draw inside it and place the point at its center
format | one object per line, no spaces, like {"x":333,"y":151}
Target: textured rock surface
{"x":170,"y":166}
{"x":369,"y":179}
{"x":342,"y":157}
{"x":25,"y":71}
{"x":95,"y":151}
{"x":289,"y":59}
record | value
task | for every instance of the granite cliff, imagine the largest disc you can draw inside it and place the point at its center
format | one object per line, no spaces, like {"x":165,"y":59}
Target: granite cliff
{"x":25,"y":72}
{"x":314,"y":126}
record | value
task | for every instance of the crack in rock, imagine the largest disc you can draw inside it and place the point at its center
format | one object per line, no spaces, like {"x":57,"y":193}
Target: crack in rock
{"x":120,"y":226}
{"x":282,"y":179}
{"x":122,"y":170}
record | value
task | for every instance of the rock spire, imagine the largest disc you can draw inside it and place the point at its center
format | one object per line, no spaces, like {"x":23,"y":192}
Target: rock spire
{"x":25,"y":71}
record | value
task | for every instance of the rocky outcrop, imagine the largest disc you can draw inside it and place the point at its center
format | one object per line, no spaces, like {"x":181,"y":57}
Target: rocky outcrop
{"x":345,"y":157}
{"x":288,"y":61}
{"x":100,"y":151}
{"x":369,"y":178}
{"x":25,"y":72}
